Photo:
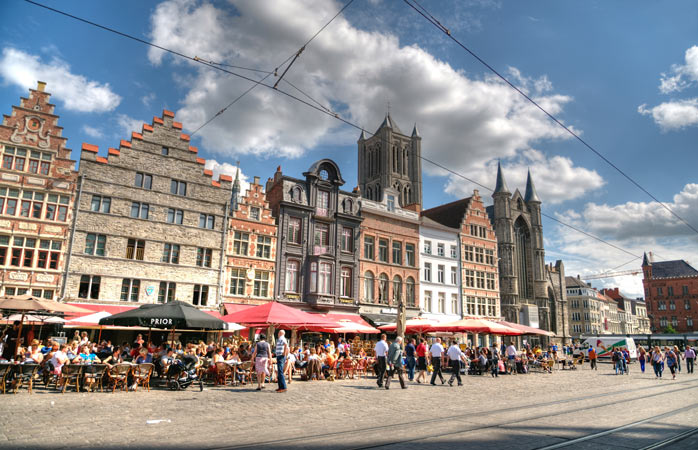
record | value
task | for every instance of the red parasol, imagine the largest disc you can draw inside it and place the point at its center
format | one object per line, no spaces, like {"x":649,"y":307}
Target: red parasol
{"x":483,"y":326}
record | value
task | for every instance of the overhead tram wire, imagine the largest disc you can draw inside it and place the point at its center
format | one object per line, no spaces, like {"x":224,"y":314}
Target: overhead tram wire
{"x":431,"y":19}
{"x":287,"y":94}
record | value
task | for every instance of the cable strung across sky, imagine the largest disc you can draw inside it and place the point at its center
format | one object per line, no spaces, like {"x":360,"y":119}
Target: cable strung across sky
{"x":322,"y":109}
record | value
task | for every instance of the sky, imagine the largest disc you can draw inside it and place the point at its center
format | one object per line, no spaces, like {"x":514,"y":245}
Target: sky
{"x":623,"y":75}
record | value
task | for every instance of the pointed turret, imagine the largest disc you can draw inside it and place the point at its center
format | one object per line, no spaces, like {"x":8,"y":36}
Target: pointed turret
{"x":388,"y":122}
{"x":501,"y":186}
{"x":363,"y":135}
{"x":531,"y":194}
{"x":645,"y":260}
{"x":415,"y":131}
{"x":236,"y":190}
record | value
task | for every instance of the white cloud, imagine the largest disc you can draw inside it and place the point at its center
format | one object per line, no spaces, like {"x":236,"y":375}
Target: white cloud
{"x":228,"y":169}
{"x":465,"y":121}
{"x":75,"y":91}
{"x":681,"y":75}
{"x":127,"y":125}
{"x":673,"y":115}
{"x":92,"y":131}
{"x":148,"y":99}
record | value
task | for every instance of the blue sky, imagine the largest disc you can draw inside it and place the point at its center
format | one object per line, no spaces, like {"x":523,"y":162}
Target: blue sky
{"x":623,"y":74}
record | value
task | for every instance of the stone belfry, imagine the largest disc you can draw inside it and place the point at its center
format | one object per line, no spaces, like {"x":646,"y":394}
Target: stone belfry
{"x":391,"y":159}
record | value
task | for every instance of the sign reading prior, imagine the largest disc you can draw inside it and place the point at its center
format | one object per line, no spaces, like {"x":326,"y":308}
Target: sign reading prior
{"x":154,"y":321}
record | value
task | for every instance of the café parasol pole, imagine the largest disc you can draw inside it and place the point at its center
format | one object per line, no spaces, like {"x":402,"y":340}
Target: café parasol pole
{"x":19,"y":334}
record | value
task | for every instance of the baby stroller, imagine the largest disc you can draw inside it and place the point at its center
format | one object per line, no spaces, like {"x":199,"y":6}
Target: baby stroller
{"x":182,"y":373}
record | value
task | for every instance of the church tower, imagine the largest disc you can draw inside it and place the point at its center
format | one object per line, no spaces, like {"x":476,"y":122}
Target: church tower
{"x":503,"y":227}
{"x":391,"y":159}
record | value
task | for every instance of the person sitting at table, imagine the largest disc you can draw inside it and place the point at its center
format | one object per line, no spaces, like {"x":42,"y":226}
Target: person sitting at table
{"x":85,"y":356}
{"x":302,"y":358}
{"x":290,"y":365}
{"x":362,"y":353}
{"x":33,"y":355}
{"x":244,"y":352}
{"x":314,"y":365}
{"x":164,"y":361}
{"x":59,"y":358}
{"x":329,"y":363}
{"x":139,"y":340}
{"x":144,"y":357}
{"x":115,"y":358}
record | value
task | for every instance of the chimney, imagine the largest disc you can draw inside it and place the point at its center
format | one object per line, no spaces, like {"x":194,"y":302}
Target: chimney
{"x":256,"y":180}
{"x":40,"y":86}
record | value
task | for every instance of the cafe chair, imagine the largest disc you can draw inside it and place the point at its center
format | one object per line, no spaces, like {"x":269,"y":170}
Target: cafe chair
{"x":93,"y":375}
{"x":70,"y":374}
{"x":141,"y":375}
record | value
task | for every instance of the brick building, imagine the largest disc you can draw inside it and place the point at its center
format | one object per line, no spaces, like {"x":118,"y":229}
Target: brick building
{"x":250,"y":253}
{"x":151,"y":222}
{"x":632,"y":312}
{"x":477,"y":254}
{"x":671,"y":294}
{"x":317,"y":260}
{"x":37,"y":189}
{"x":389,"y":261}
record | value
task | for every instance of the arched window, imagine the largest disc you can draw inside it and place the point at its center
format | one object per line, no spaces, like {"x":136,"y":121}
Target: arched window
{"x":369,"y":193}
{"x":368,"y":286}
{"x":296,"y":194}
{"x":397,"y":289}
{"x":519,"y":204}
{"x":292,"y":270}
{"x":383,"y":289}
{"x":523,"y":253}
{"x":348,"y":206}
{"x":409,"y":292}
{"x":378,"y":196}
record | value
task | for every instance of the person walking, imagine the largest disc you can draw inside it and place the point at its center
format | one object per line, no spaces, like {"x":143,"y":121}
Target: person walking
{"x":642,"y":357}
{"x":281,"y":352}
{"x":626,"y":360}
{"x":381,"y":350}
{"x":395,"y":363}
{"x":617,"y":358}
{"x":422,"y":360}
{"x":592,"y":359}
{"x":455,"y":356}
{"x":410,"y":353}
{"x":690,"y":356}
{"x":671,"y":359}
{"x":657,"y":361}
{"x":678,"y":358}
{"x":260,"y":356}
{"x":436,"y":351}
{"x":494,"y":361}
{"x":511,"y":358}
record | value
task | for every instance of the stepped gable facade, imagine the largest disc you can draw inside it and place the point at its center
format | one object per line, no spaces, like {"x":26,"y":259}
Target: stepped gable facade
{"x":151,"y":221}
{"x":671,"y":294}
{"x":37,"y":192}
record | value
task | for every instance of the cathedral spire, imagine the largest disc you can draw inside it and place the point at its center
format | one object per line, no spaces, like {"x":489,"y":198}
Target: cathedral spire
{"x":531,"y":194}
{"x":501,"y":186}
{"x":363,"y":135}
{"x":236,"y":190}
{"x":415,"y":131}
{"x":645,"y":260}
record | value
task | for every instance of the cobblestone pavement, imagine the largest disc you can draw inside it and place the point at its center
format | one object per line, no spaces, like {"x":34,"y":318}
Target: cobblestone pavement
{"x":521,"y":412}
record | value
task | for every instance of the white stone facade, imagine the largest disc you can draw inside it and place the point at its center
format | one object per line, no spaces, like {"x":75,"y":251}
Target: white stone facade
{"x":439,"y":261}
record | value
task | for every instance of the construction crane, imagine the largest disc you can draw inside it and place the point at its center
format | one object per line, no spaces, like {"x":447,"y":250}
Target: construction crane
{"x":610,"y":274}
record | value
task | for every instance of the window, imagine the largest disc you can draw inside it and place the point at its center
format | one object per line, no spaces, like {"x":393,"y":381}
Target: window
{"x":4,"y":244}
{"x":383,"y":289}
{"x":237,"y":282}
{"x":263,"y":247}
{"x":670,"y":291}
{"x":663,"y":322}
{"x":89,"y":286}
{"x":409,"y":255}
{"x":200,"y":297}
{"x":470,"y":278}
{"x":689,"y":322}
{"x":659,"y":291}
{"x":479,"y":231}
{"x":397,"y":252}
{"x":345,"y":282}
{"x":296,"y":194}
{"x":325,"y":279}
{"x":48,"y":259}
{"x":479,"y":255}
{"x":135,"y":249}
{"x":57,"y":207}
{"x":167,"y":291}
{"x":427,"y":301}
{"x":489,"y":257}
{"x":255,"y":213}
{"x":175,"y":216}
{"x":440,"y":249}
{"x":661,"y":306}
{"x":95,"y":244}
{"x":454,"y":275}
{"x":22,"y":252}
{"x":480,"y":279}
{"x":397,"y":289}
{"x":672,"y":305}
{"x":427,"y":247}
{"x":491,"y":283}
{"x":165,"y":151}
{"x":322,"y":237}
{"x":347,"y":240}
{"x":442,"y":302}
{"x":261,"y":283}
{"x":391,"y":203}
{"x":674,"y":321}
{"x":204,"y":257}
{"x":241,"y":242}
{"x":686,"y":304}
{"x":383,"y":250}
{"x":409,"y":292}
{"x":8,"y":201}
{"x":368,"y":286}
{"x":32,"y":204}
{"x":454,"y":303}
{"x":368,"y":247}
{"x":206,"y":221}
{"x":427,"y":272}
{"x":294,"y":230}
{"x":684,"y":290}
{"x":143,"y":180}
{"x":323,"y":203}
{"x":454,"y":253}
{"x":130,"y":289}
{"x":140,"y":210}
{"x":170,"y":253}
{"x":440,"y":278}
{"x":468,"y":253}
{"x":292,"y":268}
{"x":99,"y":204}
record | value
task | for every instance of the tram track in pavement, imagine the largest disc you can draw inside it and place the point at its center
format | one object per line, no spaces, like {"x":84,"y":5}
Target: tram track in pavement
{"x":488,"y":412}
